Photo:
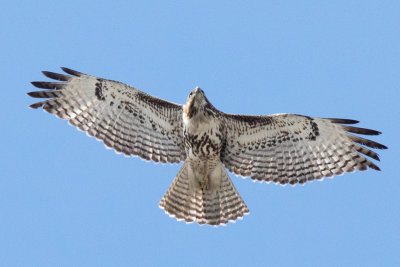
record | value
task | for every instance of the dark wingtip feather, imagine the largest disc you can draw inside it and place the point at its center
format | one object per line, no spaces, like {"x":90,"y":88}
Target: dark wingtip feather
{"x":378,"y":146}
{"x":343,"y":121}
{"x":33,"y":94}
{"x":45,"y":94}
{"x":36,"y":84}
{"x":48,"y":85}
{"x":366,"y":142}
{"x":366,"y":152}
{"x":357,"y":130}
{"x":72,"y":72}
{"x":36,"y":105}
{"x":56,"y":76}
{"x":373,"y":166}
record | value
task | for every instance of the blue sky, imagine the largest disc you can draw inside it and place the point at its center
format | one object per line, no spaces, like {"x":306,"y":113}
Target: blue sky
{"x":65,"y":200}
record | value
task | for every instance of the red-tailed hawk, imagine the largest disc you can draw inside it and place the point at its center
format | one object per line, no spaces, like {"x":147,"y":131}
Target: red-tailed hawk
{"x":282,"y":148}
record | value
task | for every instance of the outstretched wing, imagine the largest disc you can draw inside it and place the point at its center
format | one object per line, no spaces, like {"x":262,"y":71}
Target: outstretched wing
{"x":124,"y":118}
{"x":289,"y":148}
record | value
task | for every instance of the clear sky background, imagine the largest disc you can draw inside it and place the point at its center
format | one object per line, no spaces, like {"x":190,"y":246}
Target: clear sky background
{"x":65,"y":200}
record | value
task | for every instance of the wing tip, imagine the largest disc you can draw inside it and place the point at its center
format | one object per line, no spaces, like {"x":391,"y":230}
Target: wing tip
{"x":72,"y":72}
{"x":56,"y":76}
{"x":31,"y":94}
{"x":41,"y":85}
{"x":343,"y":121}
{"x":358,"y":130}
{"x":383,"y":147}
{"x":374,"y":167}
{"x":36,"y":105}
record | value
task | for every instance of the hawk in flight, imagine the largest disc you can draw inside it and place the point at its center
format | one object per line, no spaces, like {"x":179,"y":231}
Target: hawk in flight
{"x":280,"y":148}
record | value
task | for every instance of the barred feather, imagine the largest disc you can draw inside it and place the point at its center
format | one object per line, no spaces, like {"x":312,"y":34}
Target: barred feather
{"x":214,"y":207}
{"x":73,"y":72}
{"x":56,"y":76}
{"x":47,"y":85}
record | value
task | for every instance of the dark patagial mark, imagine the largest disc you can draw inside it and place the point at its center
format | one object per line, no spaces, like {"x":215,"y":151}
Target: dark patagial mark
{"x":99,"y":90}
{"x":314,"y":129}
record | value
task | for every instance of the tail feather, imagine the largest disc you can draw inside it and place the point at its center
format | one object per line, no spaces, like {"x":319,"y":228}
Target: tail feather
{"x":214,"y":207}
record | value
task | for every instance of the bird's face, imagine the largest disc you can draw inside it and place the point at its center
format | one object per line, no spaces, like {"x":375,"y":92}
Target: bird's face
{"x":196,"y":101}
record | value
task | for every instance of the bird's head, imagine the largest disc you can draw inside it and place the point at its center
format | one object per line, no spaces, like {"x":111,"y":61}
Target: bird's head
{"x":196,"y":102}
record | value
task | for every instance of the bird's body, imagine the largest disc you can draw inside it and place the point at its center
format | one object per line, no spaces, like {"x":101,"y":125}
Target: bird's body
{"x":206,"y":193}
{"x":282,"y":148}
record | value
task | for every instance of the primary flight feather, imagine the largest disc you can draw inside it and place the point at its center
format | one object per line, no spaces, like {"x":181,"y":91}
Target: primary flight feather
{"x":282,"y":148}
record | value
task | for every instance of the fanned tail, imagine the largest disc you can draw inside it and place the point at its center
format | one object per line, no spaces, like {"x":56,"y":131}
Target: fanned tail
{"x":206,"y":206}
